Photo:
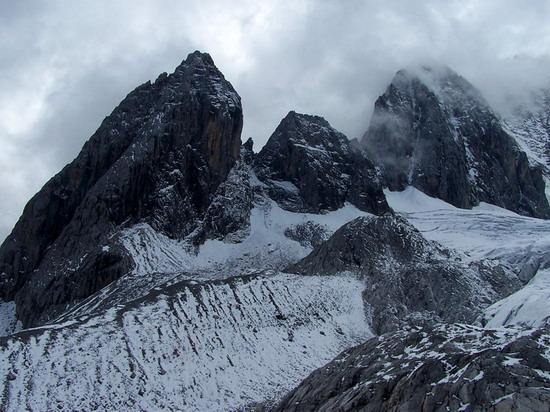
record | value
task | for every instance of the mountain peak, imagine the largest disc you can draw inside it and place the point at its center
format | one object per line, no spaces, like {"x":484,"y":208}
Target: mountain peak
{"x":157,"y":159}
{"x":319,"y":161}
{"x":446,"y":84}
{"x":198,"y":58}
{"x":308,"y":118}
{"x":432,"y":129}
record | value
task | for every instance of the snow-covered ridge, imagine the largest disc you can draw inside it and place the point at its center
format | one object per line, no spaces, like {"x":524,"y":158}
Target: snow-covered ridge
{"x":194,"y":346}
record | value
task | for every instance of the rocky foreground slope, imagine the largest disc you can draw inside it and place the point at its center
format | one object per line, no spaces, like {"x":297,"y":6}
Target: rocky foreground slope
{"x":169,"y":267}
{"x":441,"y":368}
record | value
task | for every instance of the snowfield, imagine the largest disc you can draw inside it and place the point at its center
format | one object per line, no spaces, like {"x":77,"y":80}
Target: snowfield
{"x":161,"y":261}
{"x":214,"y":327}
{"x":484,"y":232}
{"x":529,"y":306}
{"x":489,"y":232}
{"x":265,"y":247}
{"x":193,"y":346}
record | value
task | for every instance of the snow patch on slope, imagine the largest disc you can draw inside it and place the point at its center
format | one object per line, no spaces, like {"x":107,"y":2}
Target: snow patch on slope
{"x":8,"y":320}
{"x":266,"y":247}
{"x":218,"y":345}
{"x":161,"y":261}
{"x":413,"y":200}
{"x":484,"y":232}
{"x":529,"y":306}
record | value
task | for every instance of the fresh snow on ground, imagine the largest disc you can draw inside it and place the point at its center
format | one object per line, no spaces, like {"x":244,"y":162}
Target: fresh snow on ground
{"x":204,"y":346}
{"x":489,"y":232}
{"x":216,"y":327}
{"x":221,"y":327}
{"x":266,"y":247}
{"x":529,"y":306}
{"x":161,"y":261}
{"x":484,"y":232}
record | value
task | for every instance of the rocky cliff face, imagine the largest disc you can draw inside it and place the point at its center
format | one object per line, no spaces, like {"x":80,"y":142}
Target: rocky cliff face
{"x":158,"y":158}
{"x":444,"y":368}
{"x":228,"y":215}
{"x":408,"y":278}
{"x":529,"y":123}
{"x":433,"y":130}
{"x":310,"y":166}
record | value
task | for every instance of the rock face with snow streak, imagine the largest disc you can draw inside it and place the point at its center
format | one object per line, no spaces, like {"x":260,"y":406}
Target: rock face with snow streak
{"x":158,"y":158}
{"x":433,"y":130}
{"x":408,"y":278}
{"x":447,"y":367}
{"x":309,"y":166}
{"x":228,"y":214}
{"x":529,"y":123}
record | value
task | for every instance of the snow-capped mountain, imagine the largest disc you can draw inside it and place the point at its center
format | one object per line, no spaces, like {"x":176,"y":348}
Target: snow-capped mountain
{"x":169,"y":267}
{"x":433,"y":130}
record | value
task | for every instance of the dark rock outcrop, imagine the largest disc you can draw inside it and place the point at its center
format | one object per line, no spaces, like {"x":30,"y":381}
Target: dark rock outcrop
{"x":408,"y":278}
{"x":433,"y":130}
{"x":158,"y":158}
{"x":228,"y":215}
{"x":444,"y":368}
{"x":309,"y":234}
{"x":309,"y":166}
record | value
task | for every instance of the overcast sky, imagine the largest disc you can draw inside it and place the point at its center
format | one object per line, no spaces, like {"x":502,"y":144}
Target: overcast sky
{"x":64,"y":65}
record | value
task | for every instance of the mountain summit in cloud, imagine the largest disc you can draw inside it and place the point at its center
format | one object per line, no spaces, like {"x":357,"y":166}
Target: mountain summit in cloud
{"x":433,"y":130}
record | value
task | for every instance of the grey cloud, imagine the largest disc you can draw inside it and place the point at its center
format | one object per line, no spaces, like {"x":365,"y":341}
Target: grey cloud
{"x":64,"y":65}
